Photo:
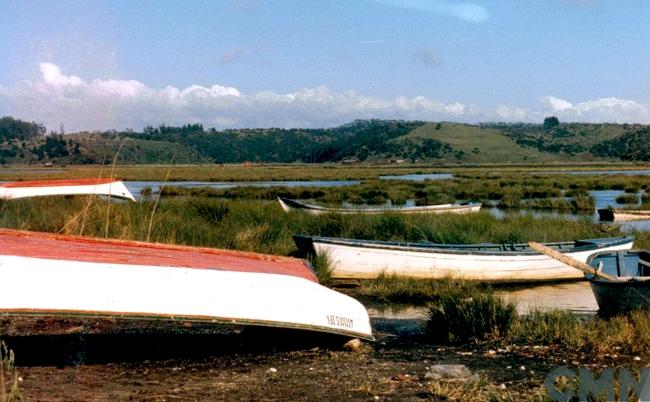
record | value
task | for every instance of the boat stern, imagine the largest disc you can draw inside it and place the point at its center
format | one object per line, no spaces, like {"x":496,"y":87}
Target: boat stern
{"x":305,"y":244}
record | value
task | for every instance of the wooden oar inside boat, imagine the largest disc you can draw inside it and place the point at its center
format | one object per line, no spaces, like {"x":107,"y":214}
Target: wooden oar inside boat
{"x":572,"y":262}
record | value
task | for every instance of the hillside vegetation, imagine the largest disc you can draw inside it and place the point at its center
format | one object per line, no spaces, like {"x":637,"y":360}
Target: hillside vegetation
{"x":360,"y":141}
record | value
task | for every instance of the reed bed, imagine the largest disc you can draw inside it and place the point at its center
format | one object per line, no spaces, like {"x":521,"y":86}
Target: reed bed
{"x":331,"y":171}
{"x":9,"y":389}
{"x":264,"y":227}
{"x":554,"y":192}
{"x":461,"y":312}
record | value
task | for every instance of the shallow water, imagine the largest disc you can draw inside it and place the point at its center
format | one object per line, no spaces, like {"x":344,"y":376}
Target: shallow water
{"x":135,"y":187}
{"x":419,"y":177}
{"x":599,"y":172}
{"x":574,"y":296}
{"x":602,"y":199}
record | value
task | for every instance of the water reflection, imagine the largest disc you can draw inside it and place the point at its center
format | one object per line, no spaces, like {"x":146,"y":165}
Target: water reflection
{"x":136,"y":187}
{"x":419,"y":176}
{"x":600,"y":172}
{"x":575,"y":296}
{"x":602,"y":199}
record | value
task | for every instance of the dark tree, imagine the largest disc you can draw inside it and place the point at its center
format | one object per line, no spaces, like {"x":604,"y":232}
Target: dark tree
{"x":551,"y":122}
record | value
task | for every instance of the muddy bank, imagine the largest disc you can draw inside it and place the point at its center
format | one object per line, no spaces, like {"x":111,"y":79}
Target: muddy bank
{"x":183,"y":361}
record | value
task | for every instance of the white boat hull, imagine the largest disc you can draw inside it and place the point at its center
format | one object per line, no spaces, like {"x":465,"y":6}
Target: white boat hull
{"x":427,"y":209}
{"x":623,"y":216}
{"x":115,"y":189}
{"x":61,"y":287}
{"x":351,"y":262}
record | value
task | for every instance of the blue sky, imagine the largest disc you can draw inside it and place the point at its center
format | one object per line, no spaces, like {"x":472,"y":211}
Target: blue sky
{"x":249,"y":63}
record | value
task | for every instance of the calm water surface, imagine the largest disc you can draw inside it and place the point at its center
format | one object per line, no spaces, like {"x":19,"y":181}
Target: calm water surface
{"x":135,"y":187}
{"x":599,"y":172}
{"x":574,"y":296}
{"x":419,"y":177}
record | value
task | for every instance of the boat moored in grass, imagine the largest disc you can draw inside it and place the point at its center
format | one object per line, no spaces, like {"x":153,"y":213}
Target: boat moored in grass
{"x":458,"y":208}
{"x":66,"y":276}
{"x":629,"y":289}
{"x":503,"y":263}
{"x":38,"y":188}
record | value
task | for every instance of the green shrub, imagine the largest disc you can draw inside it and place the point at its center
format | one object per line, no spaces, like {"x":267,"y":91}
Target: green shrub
{"x":469,"y":314}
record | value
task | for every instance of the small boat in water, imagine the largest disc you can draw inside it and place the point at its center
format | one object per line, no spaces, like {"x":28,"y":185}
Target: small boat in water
{"x":609,"y":215}
{"x":629,"y":287}
{"x":68,"y":276}
{"x":460,"y":208}
{"x":37,"y":188}
{"x":504,"y":263}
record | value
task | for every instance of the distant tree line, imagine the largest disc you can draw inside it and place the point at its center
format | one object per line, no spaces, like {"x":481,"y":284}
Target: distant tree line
{"x":16,"y":129}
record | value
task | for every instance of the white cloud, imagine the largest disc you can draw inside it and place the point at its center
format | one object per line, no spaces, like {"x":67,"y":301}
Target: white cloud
{"x":610,"y":109}
{"x":103,"y":104}
{"x":467,"y":11}
{"x":52,"y":76}
{"x":557,"y":104}
{"x":119,"y":104}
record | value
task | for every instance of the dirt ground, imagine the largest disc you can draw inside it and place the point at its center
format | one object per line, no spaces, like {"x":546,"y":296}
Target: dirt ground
{"x":78,"y":359}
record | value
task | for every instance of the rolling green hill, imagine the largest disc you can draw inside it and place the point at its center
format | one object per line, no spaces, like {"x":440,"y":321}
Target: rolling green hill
{"x":376,"y":141}
{"x":473,"y":144}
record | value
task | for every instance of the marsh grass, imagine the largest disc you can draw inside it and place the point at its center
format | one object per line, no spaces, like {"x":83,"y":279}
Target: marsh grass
{"x":627,"y":199}
{"x":323,"y":268}
{"x":264,"y":227}
{"x":506,"y":191}
{"x":394,"y":289}
{"x":464,"y":312}
{"x":9,"y":389}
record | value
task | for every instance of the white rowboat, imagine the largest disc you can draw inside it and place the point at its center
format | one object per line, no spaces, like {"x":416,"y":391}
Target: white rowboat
{"x":56,"y":275}
{"x":366,"y":259}
{"x":292,"y":205}
{"x":105,"y":187}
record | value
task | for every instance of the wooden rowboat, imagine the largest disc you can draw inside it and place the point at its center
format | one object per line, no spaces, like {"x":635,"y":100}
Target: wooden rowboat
{"x":607,"y":214}
{"x":462,"y":208}
{"x":629,"y":289}
{"x":106,"y":187}
{"x":66,"y":276}
{"x":366,"y":259}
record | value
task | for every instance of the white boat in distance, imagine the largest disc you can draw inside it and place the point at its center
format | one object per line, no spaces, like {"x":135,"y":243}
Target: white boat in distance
{"x":68,"y":276}
{"x":502,"y":263}
{"x":37,"y":188}
{"x":460,"y":208}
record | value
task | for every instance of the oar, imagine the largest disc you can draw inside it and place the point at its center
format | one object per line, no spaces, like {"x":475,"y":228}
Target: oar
{"x":572,"y":262}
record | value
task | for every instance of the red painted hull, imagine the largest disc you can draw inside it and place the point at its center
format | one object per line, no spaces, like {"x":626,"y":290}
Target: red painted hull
{"x":84,"y":249}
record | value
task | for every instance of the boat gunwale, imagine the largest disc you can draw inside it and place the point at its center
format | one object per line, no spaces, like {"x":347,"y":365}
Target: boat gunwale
{"x":636,"y":281}
{"x":467,"y":249}
{"x":62,"y":313}
{"x":60,"y":182}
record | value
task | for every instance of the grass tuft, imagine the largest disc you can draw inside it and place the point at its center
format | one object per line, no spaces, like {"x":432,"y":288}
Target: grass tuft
{"x":467,"y":313}
{"x":9,"y":390}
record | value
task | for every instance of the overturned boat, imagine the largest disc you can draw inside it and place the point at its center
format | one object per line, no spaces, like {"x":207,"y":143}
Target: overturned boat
{"x":503,"y":263}
{"x":67,"y":276}
{"x":628,"y":285}
{"x":458,"y":208}
{"x":620,"y":215}
{"x":37,"y":188}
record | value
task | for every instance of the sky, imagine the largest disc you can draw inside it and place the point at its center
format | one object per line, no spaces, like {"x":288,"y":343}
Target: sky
{"x":98,"y":65}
